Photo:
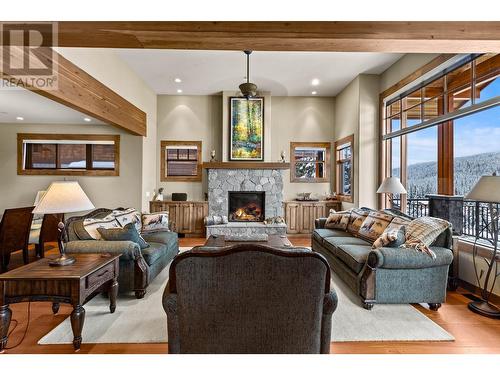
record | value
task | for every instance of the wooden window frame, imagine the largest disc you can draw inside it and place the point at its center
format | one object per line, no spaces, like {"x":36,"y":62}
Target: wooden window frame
{"x":326,"y":145}
{"x":344,"y":197}
{"x":445,"y":133}
{"x":163,"y":164}
{"x":89,"y":171}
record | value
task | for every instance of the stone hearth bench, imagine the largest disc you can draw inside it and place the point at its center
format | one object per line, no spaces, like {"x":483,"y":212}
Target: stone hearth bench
{"x":245,"y":229}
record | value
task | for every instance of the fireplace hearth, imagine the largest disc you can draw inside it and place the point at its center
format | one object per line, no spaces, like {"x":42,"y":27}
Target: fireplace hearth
{"x":246,"y":206}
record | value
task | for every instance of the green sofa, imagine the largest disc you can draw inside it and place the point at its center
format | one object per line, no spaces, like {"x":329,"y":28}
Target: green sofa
{"x":137,"y":267}
{"x":386,"y":275}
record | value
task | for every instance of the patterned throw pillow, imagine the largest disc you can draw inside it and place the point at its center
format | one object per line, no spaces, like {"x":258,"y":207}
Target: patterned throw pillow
{"x":397,"y":223}
{"x":422,"y":232}
{"x":129,"y":215}
{"x":91,"y":225}
{"x":155,"y":222}
{"x":391,"y":238}
{"x":374,"y":225}
{"x":337,"y":219}
{"x":355,"y":220}
{"x":127,"y":233}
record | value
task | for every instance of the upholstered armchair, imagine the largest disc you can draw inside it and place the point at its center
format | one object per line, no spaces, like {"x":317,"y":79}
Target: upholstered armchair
{"x":249,"y":299}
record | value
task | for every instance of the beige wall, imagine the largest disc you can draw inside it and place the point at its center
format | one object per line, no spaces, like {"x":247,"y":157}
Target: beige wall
{"x":201,"y":118}
{"x":301,"y":119}
{"x":368,"y":144}
{"x":106,"y":67}
{"x":404,"y":67}
{"x":347,"y":123}
{"x":356,"y":112}
{"x":110,"y":192}
{"x":190,"y":118}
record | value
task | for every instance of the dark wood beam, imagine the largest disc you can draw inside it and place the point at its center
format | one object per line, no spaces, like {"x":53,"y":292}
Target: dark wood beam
{"x":78,"y":90}
{"x":359,"y":36}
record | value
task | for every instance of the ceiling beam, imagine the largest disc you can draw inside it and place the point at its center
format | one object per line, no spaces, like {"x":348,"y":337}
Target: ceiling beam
{"x":358,"y":36}
{"x":78,"y":90}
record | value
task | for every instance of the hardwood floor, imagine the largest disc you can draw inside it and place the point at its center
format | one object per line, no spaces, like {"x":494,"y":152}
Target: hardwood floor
{"x":473,"y":333}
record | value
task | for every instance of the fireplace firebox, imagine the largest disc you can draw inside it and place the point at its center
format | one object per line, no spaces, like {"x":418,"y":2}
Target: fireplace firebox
{"x":246,"y":206}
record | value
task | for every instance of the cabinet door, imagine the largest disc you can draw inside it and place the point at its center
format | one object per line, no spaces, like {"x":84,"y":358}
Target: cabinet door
{"x":307,"y":219}
{"x":185,"y":218}
{"x":200,"y":211}
{"x":319,"y":211}
{"x":292,"y":217}
{"x":337,"y":206}
{"x":173,"y":214}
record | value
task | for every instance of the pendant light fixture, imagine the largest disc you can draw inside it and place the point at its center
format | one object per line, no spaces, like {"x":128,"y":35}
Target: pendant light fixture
{"x":248,"y":89}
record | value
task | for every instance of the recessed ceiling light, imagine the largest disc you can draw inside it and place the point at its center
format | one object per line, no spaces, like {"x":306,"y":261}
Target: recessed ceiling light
{"x":315,"y":82}
{"x":314,"y":92}
{"x":86,"y":119}
{"x":19,"y":118}
{"x":179,"y":91}
{"x":177,"y":80}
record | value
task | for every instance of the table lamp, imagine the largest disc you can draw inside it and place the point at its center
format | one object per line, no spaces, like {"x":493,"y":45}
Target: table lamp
{"x":63,"y":197}
{"x":487,"y":189}
{"x":391,"y":186}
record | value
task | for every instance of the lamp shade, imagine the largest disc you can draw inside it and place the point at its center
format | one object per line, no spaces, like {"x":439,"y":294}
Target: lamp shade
{"x":391,"y":185}
{"x":487,"y":189}
{"x":63,"y":197}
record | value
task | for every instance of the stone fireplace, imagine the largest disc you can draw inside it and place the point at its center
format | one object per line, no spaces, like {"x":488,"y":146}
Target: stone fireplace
{"x":256,"y":189}
{"x":246,"y":206}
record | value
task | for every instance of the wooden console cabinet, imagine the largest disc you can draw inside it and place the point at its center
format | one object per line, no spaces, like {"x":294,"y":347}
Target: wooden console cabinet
{"x":300,"y":215}
{"x":186,"y":217}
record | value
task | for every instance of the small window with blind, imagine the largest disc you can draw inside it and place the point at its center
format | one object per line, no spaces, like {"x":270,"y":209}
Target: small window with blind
{"x":68,"y":154}
{"x":310,"y":162}
{"x":344,"y":151}
{"x":180,"y":161}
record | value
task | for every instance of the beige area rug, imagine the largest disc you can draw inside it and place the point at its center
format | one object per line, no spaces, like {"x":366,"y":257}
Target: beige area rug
{"x":144,"y":321}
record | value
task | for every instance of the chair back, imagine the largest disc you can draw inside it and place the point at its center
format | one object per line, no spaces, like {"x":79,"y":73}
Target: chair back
{"x":15,"y":229}
{"x":48,"y":230}
{"x":248,"y":299}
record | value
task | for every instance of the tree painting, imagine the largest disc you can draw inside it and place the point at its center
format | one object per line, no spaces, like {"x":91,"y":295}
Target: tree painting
{"x":247,"y":126}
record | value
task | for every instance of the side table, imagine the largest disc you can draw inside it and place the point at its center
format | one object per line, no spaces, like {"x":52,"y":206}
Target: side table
{"x":75,"y":284}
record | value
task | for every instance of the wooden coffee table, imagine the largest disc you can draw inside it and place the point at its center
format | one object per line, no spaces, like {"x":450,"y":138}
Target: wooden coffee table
{"x":75,"y":284}
{"x":273,"y":240}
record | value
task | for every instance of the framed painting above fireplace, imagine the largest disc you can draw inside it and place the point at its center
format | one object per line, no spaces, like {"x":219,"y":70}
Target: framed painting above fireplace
{"x":246,"y":133}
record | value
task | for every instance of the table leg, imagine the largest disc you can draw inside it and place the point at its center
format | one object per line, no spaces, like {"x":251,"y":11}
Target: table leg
{"x":77,"y":320}
{"x":55,"y":307}
{"x":113,"y":293}
{"x":5,"y":315}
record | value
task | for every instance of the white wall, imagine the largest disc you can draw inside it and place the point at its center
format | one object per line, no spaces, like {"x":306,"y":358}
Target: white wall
{"x":113,"y":72}
{"x":103,"y":191}
{"x":202,"y":118}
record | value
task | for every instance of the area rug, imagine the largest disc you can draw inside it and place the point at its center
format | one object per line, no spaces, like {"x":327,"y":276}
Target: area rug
{"x":144,"y":321}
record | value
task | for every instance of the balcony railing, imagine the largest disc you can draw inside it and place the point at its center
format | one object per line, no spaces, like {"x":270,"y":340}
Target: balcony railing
{"x":415,"y":207}
{"x":476,"y":215}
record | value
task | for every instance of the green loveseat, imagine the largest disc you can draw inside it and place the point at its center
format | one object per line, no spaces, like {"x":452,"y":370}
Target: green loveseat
{"x":137,"y":267}
{"x":386,"y":275}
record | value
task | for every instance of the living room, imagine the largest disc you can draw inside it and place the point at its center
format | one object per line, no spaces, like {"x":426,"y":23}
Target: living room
{"x":204,"y":161}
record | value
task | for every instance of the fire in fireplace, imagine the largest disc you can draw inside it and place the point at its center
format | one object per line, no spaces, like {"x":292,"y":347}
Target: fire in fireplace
{"x":246,"y":206}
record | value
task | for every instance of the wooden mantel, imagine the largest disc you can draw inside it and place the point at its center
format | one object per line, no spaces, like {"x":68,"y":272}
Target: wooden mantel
{"x":245,"y":165}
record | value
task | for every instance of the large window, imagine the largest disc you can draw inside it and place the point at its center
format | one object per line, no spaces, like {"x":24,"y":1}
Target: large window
{"x":441,"y":135}
{"x":344,"y":151}
{"x":180,"y":161}
{"x":68,"y":154}
{"x":310,"y":162}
